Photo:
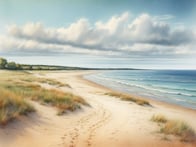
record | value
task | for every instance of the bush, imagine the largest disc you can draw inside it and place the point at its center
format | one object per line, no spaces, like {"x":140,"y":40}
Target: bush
{"x":3,"y":63}
{"x":11,"y":65}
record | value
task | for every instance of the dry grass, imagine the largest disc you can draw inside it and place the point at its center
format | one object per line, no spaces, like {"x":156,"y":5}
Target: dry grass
{"x":17,"y":87}
{"x":46,"y":81}
{"x":159,"y":118}
{"x":179,"y":128}
{"x":61,"y":100}
{"x":175,"y":127}
{"x":52,"y":82}
{"x":12,"y":106}
{"x":129,"y":98}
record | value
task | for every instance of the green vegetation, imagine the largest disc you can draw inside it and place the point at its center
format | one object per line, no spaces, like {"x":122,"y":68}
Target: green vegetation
{"x":4,"y":64}
{"x":8,"y":65}
{"x":175,"y":127}
{"x":128,"y":98}
{"x":14,"y":66}
{"x":16,"y":90}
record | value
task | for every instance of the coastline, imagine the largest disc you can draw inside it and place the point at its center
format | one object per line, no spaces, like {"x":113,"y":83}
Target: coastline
{"x":108,"y":121}
{"x":153,"y":101}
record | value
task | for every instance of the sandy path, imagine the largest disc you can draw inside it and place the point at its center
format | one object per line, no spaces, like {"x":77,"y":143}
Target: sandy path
{"x":107,"y":122}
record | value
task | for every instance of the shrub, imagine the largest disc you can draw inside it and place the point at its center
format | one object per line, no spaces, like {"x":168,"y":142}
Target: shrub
{"x":3,"y":63}
{"x":11,"y":65}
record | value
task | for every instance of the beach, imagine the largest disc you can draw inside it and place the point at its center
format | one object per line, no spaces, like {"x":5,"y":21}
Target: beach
{"x":107,"y":121}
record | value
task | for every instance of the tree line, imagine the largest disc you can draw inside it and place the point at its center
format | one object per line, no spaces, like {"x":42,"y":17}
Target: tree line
{"x":4,"y":64}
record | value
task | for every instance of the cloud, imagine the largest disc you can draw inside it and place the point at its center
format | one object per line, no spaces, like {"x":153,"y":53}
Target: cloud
{"x":113,"y":25}
{"x":163,"y":17}
{"x":119,"y":35}
{"x":145,"y":29}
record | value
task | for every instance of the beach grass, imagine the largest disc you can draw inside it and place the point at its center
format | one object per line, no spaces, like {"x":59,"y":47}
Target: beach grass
{"x":12,"y":106}
{"x":128,"y":98}
{"x":48,"y":81}
{"x":175,"y":127}
{"x":159,"y":118}
{"x":61,"y":100}
{"x":16,"y":92}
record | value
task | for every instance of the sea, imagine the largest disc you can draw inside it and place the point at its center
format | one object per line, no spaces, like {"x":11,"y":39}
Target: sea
{"x":172,"y":86}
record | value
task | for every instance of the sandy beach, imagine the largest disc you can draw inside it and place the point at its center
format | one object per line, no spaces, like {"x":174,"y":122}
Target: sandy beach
{"x":108,"y":121}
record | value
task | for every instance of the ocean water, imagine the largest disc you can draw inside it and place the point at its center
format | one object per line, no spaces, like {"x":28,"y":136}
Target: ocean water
{"x":171,"y":86}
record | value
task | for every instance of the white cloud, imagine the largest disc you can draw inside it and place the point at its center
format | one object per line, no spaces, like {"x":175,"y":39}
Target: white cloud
{"x":119,"y":35}
{"x":144,"y":29}
{"x":165,"y":17}
{"x":75,"y":32}
{"x":113,"y":25}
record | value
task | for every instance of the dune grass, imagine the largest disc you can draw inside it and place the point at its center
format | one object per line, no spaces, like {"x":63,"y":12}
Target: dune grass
{"x":61,"y":100}
{"x":53,"y":82}
{"x":46,"y":81}
{"x":12,"y":106}
{"x":15,"y":93}
{"x":128,"y":98}
{"x":175,"y":127}
{"x":159,"y":118}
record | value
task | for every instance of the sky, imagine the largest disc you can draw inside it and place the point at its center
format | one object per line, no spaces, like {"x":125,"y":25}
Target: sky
{"x":158,"y":34}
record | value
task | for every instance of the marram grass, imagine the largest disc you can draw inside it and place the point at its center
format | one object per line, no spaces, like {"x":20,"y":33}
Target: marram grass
{"x":175,"y":127}
{"x":12,"y":106}
{"x":128,"y":98}
{"x":17,"y":88}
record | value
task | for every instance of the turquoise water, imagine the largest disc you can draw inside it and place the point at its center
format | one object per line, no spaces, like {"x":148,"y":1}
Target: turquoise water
{"x":172,"y":86}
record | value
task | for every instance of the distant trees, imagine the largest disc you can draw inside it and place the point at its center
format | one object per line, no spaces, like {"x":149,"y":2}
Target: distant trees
{"x":3,"y":63}
{"x":8,"y":65}
{"x":11,"y":65}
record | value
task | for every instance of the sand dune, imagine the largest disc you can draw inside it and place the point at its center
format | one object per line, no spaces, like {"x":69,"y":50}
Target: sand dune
{"x":106,"y":122}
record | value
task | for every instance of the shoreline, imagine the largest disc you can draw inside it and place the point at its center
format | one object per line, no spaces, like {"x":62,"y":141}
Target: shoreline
{"x":151,"y":100}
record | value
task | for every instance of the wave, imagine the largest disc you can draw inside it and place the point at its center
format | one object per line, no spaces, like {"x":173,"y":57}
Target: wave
{"x":180,"y":90}
{"x":159,"y":87}
{"x":154,"y":86}
{"x":151,"y":87}
{"x":159,"y":80}
{"x":185,"y":100}
{"x":172,"y":88}
{"x":159,"y":90}
{"x":153,"y":77}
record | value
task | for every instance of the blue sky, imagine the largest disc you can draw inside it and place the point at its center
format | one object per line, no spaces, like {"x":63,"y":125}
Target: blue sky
{"x":104,"y":33}
{"x":68,"y":11}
